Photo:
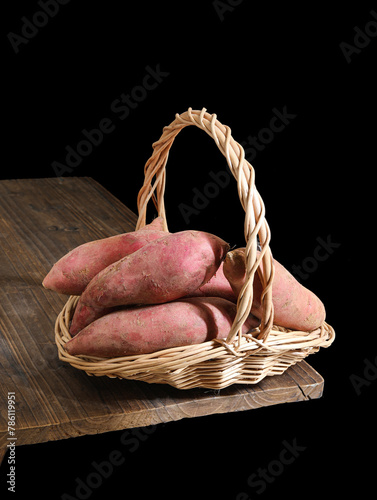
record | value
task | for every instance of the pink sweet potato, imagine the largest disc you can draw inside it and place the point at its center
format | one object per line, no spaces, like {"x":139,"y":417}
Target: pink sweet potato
{"x":157,"y":224}
{"x":295,"y":307}
{"x":72,"y":273}
{"x":217,"y":286}
{"x":146,"y":329}
{"x":164,"y":270}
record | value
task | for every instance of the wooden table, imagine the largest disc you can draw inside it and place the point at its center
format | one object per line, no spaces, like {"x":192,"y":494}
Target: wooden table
{"x":41,"y":220}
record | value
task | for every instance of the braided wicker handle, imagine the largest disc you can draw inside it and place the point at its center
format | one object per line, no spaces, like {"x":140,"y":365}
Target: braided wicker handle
{"x":255,"y":222}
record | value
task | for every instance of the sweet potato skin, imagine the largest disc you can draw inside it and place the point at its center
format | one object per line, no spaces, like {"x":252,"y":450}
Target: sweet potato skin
{"x":147,"y":329}
{"x":234,"y":269}
{"x":72,"y":273}
{"x":217,"y":286}
{"x":166,"y":269}
{"x":157,"y":224}
{"x":295,"y":307}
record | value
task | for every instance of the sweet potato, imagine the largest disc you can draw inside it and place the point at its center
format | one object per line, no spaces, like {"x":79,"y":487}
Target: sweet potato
{"x":164,"y":270}
{"x":146,"y":329}
{"x":72,"y":273}
{"x":217,"y":286}
{"x":295,"y":307}
{"x":157,"y":224}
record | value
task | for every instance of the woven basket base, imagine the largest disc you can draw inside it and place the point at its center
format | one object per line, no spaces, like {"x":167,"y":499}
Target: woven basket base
{"x":211,"y":365}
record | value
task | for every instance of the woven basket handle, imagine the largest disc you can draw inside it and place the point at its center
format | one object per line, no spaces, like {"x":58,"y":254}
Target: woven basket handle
{"x":255,"y":222}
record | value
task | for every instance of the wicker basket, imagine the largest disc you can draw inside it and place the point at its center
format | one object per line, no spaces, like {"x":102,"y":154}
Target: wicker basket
{"x":240,"y":358}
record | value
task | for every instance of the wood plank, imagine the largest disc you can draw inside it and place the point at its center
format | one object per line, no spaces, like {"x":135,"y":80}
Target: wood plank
{"x":136,"y":404}
{"x":40,"y":220}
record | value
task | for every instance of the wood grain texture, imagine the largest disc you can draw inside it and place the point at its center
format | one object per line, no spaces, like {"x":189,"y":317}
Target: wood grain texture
{"x":41,"y":220}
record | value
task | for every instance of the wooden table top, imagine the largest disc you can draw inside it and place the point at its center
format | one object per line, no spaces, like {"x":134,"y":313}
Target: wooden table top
{"x":41,"y":220}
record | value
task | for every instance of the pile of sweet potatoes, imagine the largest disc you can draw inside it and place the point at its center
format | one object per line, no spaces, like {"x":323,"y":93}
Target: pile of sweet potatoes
{"x":148,"y":290}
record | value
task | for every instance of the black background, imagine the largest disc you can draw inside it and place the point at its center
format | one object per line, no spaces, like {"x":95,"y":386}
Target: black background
{"x":315,"y":177}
